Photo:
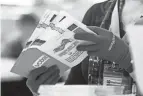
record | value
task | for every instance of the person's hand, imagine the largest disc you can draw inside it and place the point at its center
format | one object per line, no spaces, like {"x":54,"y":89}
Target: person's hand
{"x":105,"y":45}
{"x":42,"y":75}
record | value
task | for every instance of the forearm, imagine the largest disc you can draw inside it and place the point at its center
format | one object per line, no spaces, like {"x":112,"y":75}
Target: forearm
{"x":120,"y":54}
{"x":129,"y":67}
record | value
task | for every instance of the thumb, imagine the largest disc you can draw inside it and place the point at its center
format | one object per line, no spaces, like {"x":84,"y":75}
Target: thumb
{"x":99,"y":31}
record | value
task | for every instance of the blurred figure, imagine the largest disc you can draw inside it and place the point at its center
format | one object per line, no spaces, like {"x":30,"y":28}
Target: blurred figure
{"x":26,"y":25}
{"x":14,"y":85}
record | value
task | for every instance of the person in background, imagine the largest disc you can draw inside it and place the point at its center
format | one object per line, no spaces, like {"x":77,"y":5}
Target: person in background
{"x":26,"y":25}
{"x":109,"y":43}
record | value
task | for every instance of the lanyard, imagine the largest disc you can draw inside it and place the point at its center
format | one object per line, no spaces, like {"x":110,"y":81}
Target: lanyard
{"x":95,"y":69}
{"x":108,"y":15}
{"x":121,"y":4}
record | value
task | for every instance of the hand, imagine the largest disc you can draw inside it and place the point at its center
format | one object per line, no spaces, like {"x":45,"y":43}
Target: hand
{"x":105,"y":45}
{"x":42,"y":75}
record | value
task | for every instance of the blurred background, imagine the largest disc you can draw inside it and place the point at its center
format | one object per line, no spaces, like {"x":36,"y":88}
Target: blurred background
{"x":18,"y":20}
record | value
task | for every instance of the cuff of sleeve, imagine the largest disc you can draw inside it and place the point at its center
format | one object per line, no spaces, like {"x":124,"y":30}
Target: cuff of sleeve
{"x":130,"y":69}
{"x":125,"y":62}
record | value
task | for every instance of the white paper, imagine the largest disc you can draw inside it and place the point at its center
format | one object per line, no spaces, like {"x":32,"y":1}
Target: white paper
{"x":79,"y":90}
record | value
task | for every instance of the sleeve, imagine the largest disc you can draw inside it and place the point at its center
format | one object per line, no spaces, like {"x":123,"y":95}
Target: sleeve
{"x":95,"y":14}
{"x":75,"y":76}
{"x":89,"y":16}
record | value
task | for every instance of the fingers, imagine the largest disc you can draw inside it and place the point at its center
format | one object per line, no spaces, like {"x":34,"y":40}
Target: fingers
{"x":48,"y":75}
{"x":92,"y":50}
{"x":98,"y":30}
{"x":87,"y":37}
{"x":92,"y":47}
{"x":95,"y":29}
{"x":53,"y":79}
{"x":101,"y":34}
{"x":34,"y":73}
{"x":40,"y":75}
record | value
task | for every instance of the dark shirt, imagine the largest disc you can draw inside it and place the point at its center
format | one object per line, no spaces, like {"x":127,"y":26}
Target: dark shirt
{"x":93,"y":17}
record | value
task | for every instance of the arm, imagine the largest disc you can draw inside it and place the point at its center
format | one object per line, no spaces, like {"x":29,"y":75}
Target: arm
{"x":107,"y":46}
{"x":90,"y":20}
